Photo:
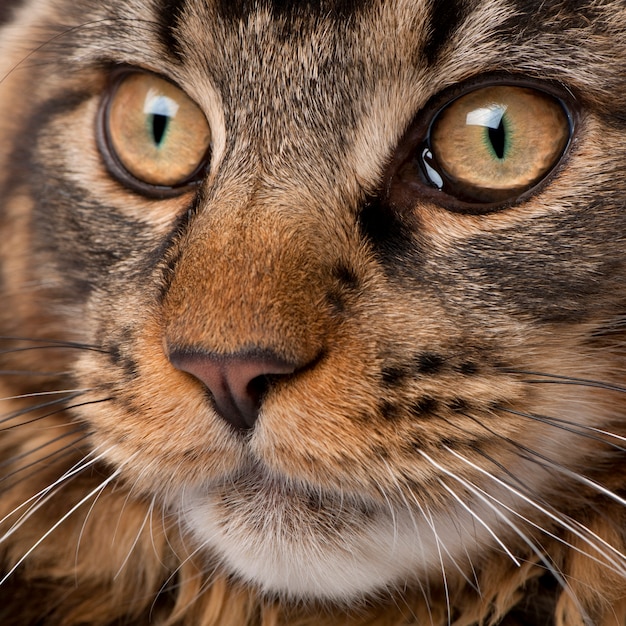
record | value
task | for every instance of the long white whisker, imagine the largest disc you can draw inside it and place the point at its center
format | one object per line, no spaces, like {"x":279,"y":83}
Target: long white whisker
{"x":484,"y":497}
{"x":84,"y":524}
{"x":98,"y":489}
{"x":393,"y":516}
{"x":151,"y":508}
{"x":34,"y":502}
{"x":137,"y":537}
{"x":443,"y":567}
{"x":181,"y":564}
{"x":482,"y":523}
{"x":558,"y":517}
{"x":620,"y":568}
{"x":430,"y":522}
{"x":572,"y":427}
{"x":399,"y":489}
{"x":417,"y":531}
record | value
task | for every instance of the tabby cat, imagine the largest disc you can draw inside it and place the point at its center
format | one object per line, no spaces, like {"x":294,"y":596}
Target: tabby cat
{"x":313,"y":313}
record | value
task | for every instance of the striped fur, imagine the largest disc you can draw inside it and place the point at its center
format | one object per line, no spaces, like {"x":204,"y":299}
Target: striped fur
{"x":444,"y":440}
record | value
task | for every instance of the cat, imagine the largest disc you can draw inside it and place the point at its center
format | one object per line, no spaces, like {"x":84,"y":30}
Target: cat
{"x":312,"y":312}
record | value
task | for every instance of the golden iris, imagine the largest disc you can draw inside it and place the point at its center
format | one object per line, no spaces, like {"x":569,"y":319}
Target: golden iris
{"x":495,"y":142}
{"x":155,"y":131}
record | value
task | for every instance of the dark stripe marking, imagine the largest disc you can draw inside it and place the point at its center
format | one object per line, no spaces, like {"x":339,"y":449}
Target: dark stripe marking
{"x":238,"y":10}
{"x":168,"y":18}
{"x":445,"y":17}
{"x":6,"y":9}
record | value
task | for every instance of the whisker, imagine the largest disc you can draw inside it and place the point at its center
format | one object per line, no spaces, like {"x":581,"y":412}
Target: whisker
{"x":440,"y":545}
{"x":46,"y":393}
{"x":393,"y":516}
{"x":516,"y":479}
{"x":169,"y":584}
{"x":50,"y":442}
{"x":488,"y":499}
{"x":58,"y":456}
{"x":205,"y":575}
{"x":33,"y":501}
{"x":84,"y":525}
{"x":620,"y":568}
{"x":534,"y":497}
{"x":409,"y":508}
{"x":26,"y":60}
{"x":11,"y":460}
{"x":184,"y":560}
{"x":557,"y":379}
{"x":400,"y":492}
{"x":415,"y":524}
{"x":485,"y":497}
{"x":481,"y":522}
{"x":93,"y":492}
{"x":147,"y":517}
{"x":559,"y":517}
{"x":529,"y":454}
{"x":51,"y":413}
{"x":546,"y":463}
{"x":152,"y":507}
{"x":572,"y":427}
{"x":52,"y":343}
{"x":35,"y":407}
{"x":32,"y":373}
{"x":53,"y":347}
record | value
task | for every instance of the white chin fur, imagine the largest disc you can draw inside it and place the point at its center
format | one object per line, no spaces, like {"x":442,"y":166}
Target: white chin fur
{"x":281,"y":546}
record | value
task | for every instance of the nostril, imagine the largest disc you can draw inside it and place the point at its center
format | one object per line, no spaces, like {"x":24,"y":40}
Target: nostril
{"x":237,"y":382}
{"x":257,"y":388}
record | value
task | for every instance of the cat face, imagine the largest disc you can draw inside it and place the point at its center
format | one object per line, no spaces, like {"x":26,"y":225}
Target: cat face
{"x":350,"y":278}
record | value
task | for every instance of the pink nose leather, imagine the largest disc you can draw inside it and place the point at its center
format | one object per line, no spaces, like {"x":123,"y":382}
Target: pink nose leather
{"x":237,"y":383}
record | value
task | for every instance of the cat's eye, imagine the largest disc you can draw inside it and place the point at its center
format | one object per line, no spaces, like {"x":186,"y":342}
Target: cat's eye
{"x":154,"y":137}
{"x":492,"y":144}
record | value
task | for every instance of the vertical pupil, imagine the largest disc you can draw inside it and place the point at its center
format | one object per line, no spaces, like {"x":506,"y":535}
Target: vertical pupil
{"x":497,"y":136}
{"x":159,"y":126}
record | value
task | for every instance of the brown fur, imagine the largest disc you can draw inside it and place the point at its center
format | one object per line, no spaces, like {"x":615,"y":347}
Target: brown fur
{"x":443,"y":359}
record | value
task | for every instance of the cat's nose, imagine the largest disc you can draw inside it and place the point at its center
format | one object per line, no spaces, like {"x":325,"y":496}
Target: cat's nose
{"x":237,"y":383}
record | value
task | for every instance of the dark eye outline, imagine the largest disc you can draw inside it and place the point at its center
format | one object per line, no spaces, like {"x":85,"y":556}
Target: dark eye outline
{"x":112,"y":162}
{"x":408,"y":179}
